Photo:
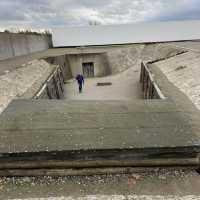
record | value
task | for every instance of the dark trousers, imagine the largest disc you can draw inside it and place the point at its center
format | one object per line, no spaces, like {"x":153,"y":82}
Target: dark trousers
{"x":80,"y":88}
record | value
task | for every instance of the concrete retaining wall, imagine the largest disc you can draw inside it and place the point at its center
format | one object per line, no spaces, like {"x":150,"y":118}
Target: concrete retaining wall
{"x":115,"y":59}
{"x":6,"y":47}
{"x":183,"y":72}
{"x":149,"y":87}
{"x":13,"y":44}
{"x":53,"y":88}
{"x":101,"y":67}
{"x":63,"y":62}
{"x":24,"y":81}
{"x":123,"y":58}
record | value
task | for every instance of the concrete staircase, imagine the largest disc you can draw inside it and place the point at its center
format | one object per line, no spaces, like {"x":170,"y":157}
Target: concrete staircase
{"x":52,"y":137}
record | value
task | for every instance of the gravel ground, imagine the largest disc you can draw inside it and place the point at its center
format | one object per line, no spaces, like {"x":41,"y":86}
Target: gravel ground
{"x":157,"y":184}
{"x":120,"y":197}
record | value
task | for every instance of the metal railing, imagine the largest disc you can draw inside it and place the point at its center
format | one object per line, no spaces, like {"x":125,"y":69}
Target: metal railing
{"x":149,"y":87}
{"x":53,"y":88}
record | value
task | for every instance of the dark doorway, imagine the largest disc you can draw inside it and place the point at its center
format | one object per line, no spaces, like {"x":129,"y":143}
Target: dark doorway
{"x":88,"y":69}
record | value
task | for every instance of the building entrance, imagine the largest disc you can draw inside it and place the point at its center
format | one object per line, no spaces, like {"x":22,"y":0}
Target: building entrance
{"x":88,"y":69}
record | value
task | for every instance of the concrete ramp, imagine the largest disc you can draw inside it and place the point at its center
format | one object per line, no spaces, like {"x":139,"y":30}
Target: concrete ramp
{"x":68,"y":135}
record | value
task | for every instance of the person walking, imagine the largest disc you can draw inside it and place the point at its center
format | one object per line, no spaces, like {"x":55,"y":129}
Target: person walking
{"x":80,"y":81}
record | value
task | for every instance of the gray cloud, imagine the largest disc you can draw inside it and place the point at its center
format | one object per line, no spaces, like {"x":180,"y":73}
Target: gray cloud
{"x":185,"y":10}
{"x":48,"y":13}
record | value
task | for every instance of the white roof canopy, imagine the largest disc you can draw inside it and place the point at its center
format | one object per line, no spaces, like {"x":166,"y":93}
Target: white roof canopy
{"x":126,"y":34}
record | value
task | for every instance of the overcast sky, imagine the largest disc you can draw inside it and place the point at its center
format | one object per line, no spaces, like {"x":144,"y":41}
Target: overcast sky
{"x":51,"y":13}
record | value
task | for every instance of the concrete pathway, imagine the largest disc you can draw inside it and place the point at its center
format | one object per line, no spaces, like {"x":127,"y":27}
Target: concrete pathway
{"x":125,"y":86}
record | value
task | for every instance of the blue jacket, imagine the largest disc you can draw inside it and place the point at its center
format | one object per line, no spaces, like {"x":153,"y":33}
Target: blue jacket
{"x":80,"y":79}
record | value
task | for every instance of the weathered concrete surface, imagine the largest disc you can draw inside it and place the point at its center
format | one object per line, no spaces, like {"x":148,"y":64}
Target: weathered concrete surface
{"x":6,"y":49}
{"x":20,"y":44}
{"x":50,"y":86}
{"x":14,"y":63}
{"x":63,"y":62}
{"x":39,"y":42}
{"x":120,"y":57}
{"x":117,"y":58}
{"x":16,"y":83}
{"x":101,"y":67}
{"x":123,"y":61}
{"x":42,"y":125}
{"x":125,"y":86}
{"x":189,"y":45}
{"x":183,"y":71}
{"x":13,"y":44}
{"x":123,"y":58}
{"x":151,"y":185}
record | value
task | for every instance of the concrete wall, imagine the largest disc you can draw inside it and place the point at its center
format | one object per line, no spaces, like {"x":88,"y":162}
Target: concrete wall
{"x":115,"y":59}
{"x":101,"y":67}
{"x":122,"y":58}
{"x":53,"y":87}
{"x":150,"y":88}
{"x":62,"y":61}
{"x":13,"y":44}
{"x":159,"y":51}
{"x":24,"y":82}
{"x":183,"y":71}
{"x":6,"y":46}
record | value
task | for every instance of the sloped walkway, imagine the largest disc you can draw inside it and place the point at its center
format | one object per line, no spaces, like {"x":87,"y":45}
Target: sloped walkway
{"x":125,"y":86}
{"x":184,"y":72}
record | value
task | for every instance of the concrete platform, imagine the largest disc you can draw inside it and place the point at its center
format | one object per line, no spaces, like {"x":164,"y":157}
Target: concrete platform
{"x":55,"y":125}
{"x":124,"y":86}
{"x":65,"y":134}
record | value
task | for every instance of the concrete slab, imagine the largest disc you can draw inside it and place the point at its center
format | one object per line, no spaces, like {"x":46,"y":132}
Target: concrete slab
{"x":34,"y":126}
{"x":124,"y":86}
{"x":189,"y":45}
{"x":24,"y":81}
{"x":183,"y":71}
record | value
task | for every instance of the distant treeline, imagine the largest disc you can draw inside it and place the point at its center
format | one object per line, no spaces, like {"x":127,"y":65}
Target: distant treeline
{"x":29,"y":32}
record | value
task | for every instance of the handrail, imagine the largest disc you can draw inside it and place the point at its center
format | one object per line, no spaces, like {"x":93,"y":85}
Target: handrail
{"x":52,"y":83}
{"x":149,"y":86}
